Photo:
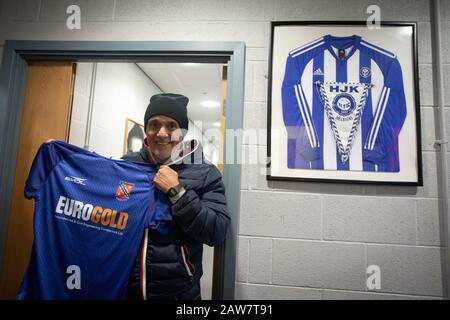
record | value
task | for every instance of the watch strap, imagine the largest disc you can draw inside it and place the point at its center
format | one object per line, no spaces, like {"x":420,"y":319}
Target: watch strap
{"x":175,"y":199}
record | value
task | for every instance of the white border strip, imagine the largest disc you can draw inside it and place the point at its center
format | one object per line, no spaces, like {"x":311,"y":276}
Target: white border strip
{"x":380,"y":102}
{"x":304,"y":117}
{"x":306,"y":45}
{"x":380,"y":119}
{"x":393,"y":56}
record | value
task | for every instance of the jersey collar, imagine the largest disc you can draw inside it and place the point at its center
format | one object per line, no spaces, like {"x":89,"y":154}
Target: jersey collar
{"x":342,"y":43}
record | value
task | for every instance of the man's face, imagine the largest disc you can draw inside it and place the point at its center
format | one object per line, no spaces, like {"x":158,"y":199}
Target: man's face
{"x":163,"y":134}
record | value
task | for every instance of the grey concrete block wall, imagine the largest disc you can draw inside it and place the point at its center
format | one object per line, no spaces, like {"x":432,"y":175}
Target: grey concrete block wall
{"x":274,"y":214}
{"x":424,"y":42}
{"x":349,"y":295}
{"x":426,"y":87}
{"x":255,"y":122}
{"x":27,"y":10}
{"x":409,"y":270}
{"x":260,"y":260}
{"x":317,"y":10}
{"x":445,"y":8}
{"x":445,"y":25}
{"x":447,"y":82}
{"x":319,"y":264}
{"x":402,"y":10}
{"x":369,"y":219}
{"x":92,"y":11}
{"x":242,"y":266}
{"x":428,"y":128}
{"x":296,"y":240}
{"x":247,"y":291}
{"x":429,"y":223}
{"x":141,"y":10}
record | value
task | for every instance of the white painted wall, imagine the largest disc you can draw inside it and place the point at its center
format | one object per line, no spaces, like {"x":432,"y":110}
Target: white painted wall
{"x":122,"y":91}
{"x":295,"y":239}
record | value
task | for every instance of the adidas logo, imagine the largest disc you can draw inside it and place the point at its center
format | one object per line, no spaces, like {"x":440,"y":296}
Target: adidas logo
{"x":318,"y":72}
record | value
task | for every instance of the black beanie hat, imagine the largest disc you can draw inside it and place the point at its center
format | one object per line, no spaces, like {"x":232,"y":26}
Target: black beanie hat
{"x":171,"y":105}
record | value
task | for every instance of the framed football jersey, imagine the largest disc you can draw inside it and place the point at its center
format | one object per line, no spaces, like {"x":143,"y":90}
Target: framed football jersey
{"x":343,"y":103}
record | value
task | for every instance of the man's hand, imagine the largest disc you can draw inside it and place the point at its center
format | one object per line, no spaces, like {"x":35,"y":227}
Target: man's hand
{"x":166,"y":178}
{"x":49,"y":140}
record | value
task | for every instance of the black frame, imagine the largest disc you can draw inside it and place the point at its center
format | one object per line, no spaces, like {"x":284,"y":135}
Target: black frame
{"x":415,"y":70}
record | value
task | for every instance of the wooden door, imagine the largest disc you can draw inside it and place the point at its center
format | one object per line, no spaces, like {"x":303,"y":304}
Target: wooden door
{"x":223,"y":91}
{"x":46,"y":114}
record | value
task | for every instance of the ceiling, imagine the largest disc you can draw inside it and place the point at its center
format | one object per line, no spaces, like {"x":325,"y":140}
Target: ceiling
{"x":198,"y":81}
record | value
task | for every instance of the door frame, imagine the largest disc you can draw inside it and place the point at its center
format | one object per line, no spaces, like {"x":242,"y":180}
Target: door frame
{"x":12,"y":88}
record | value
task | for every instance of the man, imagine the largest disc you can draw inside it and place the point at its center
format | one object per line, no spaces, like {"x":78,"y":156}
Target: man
{"x":169,"y":265}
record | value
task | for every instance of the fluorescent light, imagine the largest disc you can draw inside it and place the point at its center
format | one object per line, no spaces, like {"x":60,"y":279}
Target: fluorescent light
{"x":216,"y":124}
{"x":210,"y":104}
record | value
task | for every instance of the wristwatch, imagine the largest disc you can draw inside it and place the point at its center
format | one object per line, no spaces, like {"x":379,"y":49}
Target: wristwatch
{"x":175,"y":193}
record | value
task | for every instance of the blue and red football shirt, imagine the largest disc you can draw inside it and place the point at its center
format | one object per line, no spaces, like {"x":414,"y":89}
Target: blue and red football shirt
{"x":90,"y":215}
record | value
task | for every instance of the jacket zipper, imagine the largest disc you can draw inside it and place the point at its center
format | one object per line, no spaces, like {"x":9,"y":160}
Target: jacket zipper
{"x":143,"y":269}
{"x":190,"y":268}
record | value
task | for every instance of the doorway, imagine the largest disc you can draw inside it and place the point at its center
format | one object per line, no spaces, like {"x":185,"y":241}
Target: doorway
{"x":110,"y":100}
{"x":12,"y":78}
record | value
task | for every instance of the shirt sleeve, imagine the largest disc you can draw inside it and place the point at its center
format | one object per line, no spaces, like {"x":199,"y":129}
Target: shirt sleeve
{"x":296,"y":111}
{"x":389,"y":117}
{"x":47,"y":157}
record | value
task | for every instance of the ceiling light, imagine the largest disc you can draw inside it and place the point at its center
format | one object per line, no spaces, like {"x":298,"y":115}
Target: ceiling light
{"x":216,"y":124}
{"x":210,"y":104}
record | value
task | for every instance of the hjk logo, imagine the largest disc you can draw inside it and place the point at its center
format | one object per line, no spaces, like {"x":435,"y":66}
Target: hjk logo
{"x":344,"y":104}
{"x":124,"y":190}
{"x":75,"y":180}
{"x":349,"y":89}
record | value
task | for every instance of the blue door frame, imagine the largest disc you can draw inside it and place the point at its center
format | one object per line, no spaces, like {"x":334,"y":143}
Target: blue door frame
{"x":12,"y":87}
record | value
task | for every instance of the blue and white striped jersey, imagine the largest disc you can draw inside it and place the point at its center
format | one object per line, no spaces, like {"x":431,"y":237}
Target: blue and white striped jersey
{"x":329,"y":59}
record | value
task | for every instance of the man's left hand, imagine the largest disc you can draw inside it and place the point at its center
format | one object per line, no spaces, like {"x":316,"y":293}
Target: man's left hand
{"x":166,"y":178}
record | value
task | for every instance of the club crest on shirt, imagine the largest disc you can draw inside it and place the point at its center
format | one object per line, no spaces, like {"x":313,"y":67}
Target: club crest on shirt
{"x":124,"y":190}
{"x":365,"y":72}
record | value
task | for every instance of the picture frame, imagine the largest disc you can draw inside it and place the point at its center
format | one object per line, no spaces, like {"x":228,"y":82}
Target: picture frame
{"x":343,"y":103}
{"x":133,"y":137}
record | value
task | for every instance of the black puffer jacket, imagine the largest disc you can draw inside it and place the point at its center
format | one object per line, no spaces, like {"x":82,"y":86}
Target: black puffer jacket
{"x":174,"y":261}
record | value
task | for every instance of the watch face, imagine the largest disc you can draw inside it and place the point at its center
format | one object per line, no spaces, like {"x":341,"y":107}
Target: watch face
{"x":172,"y":192}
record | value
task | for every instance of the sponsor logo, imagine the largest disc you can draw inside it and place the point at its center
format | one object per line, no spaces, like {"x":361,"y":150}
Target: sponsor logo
{"x":75,"y":180}
{"x":90,"y":214}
